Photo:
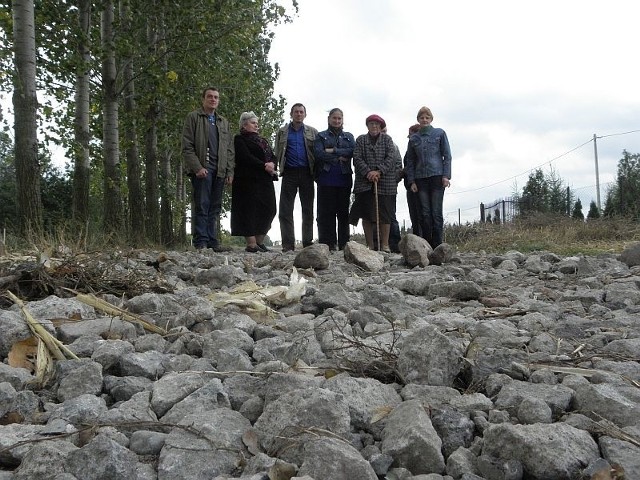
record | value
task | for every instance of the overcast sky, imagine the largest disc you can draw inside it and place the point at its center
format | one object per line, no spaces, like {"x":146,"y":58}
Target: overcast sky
{"x":516,"y":85}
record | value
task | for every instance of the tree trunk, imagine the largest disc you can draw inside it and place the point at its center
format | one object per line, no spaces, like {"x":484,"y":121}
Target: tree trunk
{"x":110,"y":136}
{"x":151,"y":147}
{"x":136,"y":199}
{"x":166,"y":205}
{"x":151,"y":174}
{"x":166,"y":194}
{"x":181,"y":203}
{"x":25,"y":104}
{"x":80,"y":202}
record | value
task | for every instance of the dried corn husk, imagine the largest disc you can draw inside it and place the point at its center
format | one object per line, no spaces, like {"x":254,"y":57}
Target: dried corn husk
{"x":57,"y":349}
{"x":114,"y":311}
{"x":256,"y":300}
{"x":48,"y":348}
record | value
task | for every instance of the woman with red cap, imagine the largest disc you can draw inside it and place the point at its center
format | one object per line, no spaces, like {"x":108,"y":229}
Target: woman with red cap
{"x":375,"y":184}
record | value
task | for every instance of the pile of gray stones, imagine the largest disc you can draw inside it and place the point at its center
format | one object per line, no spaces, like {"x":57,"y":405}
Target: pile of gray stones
{"x":423,"y":365}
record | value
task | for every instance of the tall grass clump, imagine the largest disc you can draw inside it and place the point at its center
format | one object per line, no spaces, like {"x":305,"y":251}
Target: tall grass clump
{"x":543,"y":232}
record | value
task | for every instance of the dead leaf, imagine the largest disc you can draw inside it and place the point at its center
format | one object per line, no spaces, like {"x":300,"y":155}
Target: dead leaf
{"x":11,"y":417}
{"x":23,"y":354}
{"x":381,"y":412}
{"x":250,"y":439}
{"x":614,"y":472}
{"x":281,"y":471}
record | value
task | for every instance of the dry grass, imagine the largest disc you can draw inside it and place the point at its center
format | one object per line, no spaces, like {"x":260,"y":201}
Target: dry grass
{"x":560,"y":235}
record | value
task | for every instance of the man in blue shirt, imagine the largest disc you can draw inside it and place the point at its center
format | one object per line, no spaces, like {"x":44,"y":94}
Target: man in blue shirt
{"x":294,"y":151}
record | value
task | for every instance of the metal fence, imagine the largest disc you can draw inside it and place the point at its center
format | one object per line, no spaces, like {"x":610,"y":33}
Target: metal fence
{"x":506,"y":209}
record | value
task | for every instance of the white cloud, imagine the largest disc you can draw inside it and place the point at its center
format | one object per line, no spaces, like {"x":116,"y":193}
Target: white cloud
{"x":514,"y":84}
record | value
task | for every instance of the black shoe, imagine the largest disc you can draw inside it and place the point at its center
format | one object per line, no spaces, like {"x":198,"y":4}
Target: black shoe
{"x":199,"y":247}
{"x":220,"y":249}
{"x":252,"y":249}
{"x":287,"y":248}
{"x":263,"y":247}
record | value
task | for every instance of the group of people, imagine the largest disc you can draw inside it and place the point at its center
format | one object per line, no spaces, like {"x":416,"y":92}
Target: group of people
{"x":307,"y":160}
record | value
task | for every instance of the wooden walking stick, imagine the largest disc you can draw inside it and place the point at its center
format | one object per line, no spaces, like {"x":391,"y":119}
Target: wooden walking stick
{"x":375,"y":194}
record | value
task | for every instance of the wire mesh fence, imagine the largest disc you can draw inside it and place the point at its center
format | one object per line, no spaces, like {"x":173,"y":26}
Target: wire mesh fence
{"x":506,"y":209}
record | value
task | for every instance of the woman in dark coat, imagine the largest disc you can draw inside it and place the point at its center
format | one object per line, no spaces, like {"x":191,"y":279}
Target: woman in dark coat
{"x":253,"y":198}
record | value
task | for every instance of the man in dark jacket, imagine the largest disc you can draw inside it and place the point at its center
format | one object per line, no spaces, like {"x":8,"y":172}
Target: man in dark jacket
{"x":294,"y":151}
{"x":207,"y":147}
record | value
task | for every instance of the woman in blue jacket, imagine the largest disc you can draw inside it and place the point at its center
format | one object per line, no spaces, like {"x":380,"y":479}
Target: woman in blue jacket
{"x":428,"y":170}
{"x":333,"y":150}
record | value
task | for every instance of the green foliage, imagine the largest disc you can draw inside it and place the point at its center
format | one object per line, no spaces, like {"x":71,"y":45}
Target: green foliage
{"x":6,"y":46}
{"x":577,"y":211}
{"x":545,"y":194}
{"x":175,"y":50}
{"x":8,"y":194}
{"x":55,"y":188}
{"x":560,"y":197}
{"x":622,"y":198}
{"x":534,"y":194}
{"x":594,"y":213}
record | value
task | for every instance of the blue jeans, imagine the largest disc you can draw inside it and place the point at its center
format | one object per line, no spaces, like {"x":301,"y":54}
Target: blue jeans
{"x":207,"y":204}
{"x":431,"y":195}
{"x":294,"y":180}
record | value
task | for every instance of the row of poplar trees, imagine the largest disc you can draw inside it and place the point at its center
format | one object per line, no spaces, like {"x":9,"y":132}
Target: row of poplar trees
{"x":110,"y":83}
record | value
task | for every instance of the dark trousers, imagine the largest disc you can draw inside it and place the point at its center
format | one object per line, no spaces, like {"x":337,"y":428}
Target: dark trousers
{"x":294,"y":180}
{"x":333,"y":207}
{"x":394,"y":235}
{"x":207,"y":204}
{"x":431,"y":194}
{"x":394,"y":229}
{"x":413,"y":202}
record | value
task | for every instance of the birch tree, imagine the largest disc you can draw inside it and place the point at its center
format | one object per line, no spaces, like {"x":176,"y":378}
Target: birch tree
{"x":136,"y":198}
{"x":112,"y":195}
{"x":25,"y":104}
{"x":81,"y":122}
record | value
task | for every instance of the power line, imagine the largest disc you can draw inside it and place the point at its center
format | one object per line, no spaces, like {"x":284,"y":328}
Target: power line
{"x":616,"y":134}
{"x":542,"y":164}
{"x":523,"y":173}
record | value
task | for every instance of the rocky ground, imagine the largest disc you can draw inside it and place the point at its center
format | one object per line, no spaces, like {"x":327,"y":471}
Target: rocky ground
{"x":323,"y":365}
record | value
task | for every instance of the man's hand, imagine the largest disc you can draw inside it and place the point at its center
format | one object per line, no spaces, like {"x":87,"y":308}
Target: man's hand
{"x":202,"y":173}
